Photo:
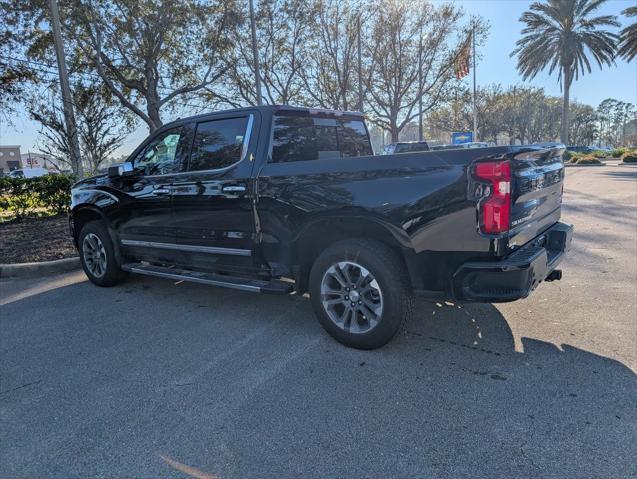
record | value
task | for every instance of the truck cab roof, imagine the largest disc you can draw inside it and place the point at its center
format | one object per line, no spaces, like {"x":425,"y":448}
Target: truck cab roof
{"x":270,"y":110}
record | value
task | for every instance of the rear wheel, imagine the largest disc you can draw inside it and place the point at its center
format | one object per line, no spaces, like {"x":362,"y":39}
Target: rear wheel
{"x":360,"y":292}
{"x":97,"y":255}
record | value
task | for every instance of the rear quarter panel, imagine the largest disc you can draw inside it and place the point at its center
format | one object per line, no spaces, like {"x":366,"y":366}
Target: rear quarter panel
{"x":420,"y":198}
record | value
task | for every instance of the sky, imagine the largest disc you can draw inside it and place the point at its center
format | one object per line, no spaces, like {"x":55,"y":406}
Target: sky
{"x":497,"y":67}
{"x":494,"y":66}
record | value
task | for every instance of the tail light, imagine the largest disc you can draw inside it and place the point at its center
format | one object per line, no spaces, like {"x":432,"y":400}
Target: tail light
{"x":495,"y":205}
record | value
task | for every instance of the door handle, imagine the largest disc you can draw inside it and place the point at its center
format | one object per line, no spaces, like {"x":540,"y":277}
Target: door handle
{"x":161,"y":191}
{"x":233,"y":189}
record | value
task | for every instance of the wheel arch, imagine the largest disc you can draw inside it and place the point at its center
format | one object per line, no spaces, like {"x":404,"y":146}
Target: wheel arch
{"x":87,"y":212}
{"x":82,"y":214}
{"x":323,"y":232}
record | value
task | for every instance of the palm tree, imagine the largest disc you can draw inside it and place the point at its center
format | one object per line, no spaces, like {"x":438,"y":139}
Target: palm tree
{"x":628,"y":37}
{"x":560,"y":35}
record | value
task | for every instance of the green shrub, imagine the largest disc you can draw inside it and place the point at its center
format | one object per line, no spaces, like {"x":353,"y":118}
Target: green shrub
{"x":54,"y":192}
{"x":629,"y":157}
{"x":566,"y":156}
{"x":599,"y":154}
{"x":22,"y":196}
{"x":574,"y":156}
{"x":588,"y":160}
{"x":617,"y":152}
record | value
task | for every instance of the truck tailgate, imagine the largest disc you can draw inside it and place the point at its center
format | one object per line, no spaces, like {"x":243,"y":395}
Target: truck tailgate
{"x":536,"y":193}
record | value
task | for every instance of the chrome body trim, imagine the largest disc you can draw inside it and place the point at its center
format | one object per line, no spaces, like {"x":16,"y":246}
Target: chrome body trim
{"x":246,"y":139}
{"x":244,"y":151}
{"x":187,"y":247}
{"x":179,"y":277}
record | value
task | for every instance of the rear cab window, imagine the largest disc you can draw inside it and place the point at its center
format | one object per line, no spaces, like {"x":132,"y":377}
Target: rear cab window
{"x":300,"y":136}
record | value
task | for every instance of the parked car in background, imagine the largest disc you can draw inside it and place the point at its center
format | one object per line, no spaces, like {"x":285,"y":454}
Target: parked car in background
{"x":461,"y":146}
{"x":443,"y":147}
{"x":28,"y":173}
{"x":405,"y":147}
{"x":580,"y":149}
{"x":474,"y":144}
{"x":279,"y":199}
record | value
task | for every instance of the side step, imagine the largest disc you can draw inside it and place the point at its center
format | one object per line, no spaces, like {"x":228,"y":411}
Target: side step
{"x":274,"y":286}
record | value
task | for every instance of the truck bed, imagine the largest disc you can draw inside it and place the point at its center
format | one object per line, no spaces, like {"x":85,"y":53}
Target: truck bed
{"x":422,"y":198}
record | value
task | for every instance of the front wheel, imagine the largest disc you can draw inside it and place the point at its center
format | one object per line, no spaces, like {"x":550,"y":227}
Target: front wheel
{"x":97,"y":255}
{"x":360,"y":292}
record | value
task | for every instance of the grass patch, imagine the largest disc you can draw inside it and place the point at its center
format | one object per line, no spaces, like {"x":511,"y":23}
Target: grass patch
{"x":36,"y":239}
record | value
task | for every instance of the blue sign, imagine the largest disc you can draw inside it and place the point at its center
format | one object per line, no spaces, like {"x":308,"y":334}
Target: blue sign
{"x":459,"y":137}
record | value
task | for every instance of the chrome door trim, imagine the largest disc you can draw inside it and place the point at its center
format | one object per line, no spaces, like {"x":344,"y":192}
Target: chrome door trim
{"x":244,"y":151}
{"x":187,"y":247}
{"x":246,"y":138}
{"x":233,"y":189}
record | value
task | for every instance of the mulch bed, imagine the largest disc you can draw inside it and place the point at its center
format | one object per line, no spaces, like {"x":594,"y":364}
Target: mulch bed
{"x":36,"y":239}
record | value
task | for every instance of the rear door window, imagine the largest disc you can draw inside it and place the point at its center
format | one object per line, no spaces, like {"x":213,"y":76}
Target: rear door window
{"x":218,"y":144}
{"x":305,"y":138}
{"x":353,"y":139}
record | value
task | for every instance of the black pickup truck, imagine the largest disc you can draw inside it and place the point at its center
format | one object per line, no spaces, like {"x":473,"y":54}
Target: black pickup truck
{"x":279,"y":199}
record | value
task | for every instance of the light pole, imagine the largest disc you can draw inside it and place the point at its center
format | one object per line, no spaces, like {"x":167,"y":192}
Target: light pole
{"x":67,"y":101}
{"x":255,"y":55}
{"x":420,"y":126}
{"x":475,"y":111}
{"x":360,"y":63}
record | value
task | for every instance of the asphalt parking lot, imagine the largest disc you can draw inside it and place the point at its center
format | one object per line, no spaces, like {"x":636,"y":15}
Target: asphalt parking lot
{"x":153,"y":379}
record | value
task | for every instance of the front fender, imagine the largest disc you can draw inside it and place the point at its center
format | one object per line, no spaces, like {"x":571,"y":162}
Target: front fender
{"x":99,"y":198}
{"x":85,"y":212}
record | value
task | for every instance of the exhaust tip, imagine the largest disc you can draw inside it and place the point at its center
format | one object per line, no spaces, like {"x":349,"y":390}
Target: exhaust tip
{"x":555,"y":275}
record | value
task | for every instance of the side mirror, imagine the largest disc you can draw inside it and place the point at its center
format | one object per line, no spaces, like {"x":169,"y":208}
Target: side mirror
{"x":125,"y":169}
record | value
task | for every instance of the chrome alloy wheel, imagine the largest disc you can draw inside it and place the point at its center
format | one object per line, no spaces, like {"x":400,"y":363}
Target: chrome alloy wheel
{"x":94,"y":255}
{"x":351,"y":297}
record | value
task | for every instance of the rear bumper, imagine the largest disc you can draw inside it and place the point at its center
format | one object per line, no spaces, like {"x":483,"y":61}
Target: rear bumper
{"x":518,"y":274}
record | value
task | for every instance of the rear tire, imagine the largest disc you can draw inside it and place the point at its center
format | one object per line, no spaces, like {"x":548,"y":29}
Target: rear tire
{"x":97,"y":255}
{"x":360,"y":292}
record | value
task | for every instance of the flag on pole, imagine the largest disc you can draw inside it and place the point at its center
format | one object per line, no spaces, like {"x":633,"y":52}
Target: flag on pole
{"x":461,"y":65}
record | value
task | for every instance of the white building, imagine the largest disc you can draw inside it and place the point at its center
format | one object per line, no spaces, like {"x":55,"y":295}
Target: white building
{"x":9,"y":158}
{"x":39,"y":160}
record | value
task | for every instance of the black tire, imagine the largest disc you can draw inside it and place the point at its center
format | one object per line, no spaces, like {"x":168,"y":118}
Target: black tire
{"x":111,"y":274}
{"x":392,"y":280}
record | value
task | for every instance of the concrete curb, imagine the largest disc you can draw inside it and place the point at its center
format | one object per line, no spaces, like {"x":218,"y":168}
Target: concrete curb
{"x":33,"y":269}
{"x":584,"y":166}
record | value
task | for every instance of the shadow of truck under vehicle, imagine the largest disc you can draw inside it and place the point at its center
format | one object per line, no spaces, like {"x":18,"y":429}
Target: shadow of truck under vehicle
{"x":248,"y":386}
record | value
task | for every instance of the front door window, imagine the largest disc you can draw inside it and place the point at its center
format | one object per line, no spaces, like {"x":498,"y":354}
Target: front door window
{"x":163,"y":155}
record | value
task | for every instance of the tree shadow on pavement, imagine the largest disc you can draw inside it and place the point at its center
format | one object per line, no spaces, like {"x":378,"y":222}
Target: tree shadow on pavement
{"x":240,"y":385}
{"x":623,"y":174}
